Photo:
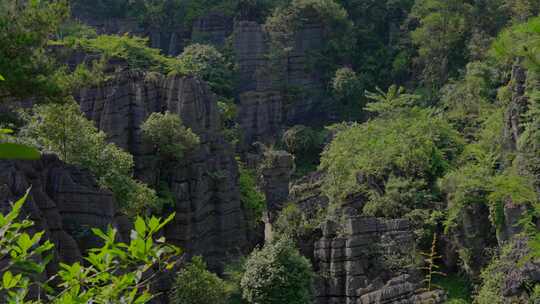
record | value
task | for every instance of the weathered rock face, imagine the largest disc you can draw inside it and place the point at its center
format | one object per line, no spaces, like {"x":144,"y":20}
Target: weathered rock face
{"x":65,"y":202}
{"x":363,"y":265}
{"x":250,"y":43}
{"x":213,"y":28}
{"x":360,"y":259}
{"x":209,"y":216}
{"x":260,"y":116}
{"x":472,"y":236}
{"x":518,"y":272}
{"x":261,"y":81}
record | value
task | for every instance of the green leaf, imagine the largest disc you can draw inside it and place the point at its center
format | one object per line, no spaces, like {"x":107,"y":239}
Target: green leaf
{"x":2,"y":78}
{"x":6,"y":131}
{"x":140,"y":226}
{"x":13,"y":151}
{"x":7,"y":280}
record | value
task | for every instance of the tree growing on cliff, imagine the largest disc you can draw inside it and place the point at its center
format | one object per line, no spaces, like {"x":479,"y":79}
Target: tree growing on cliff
{"x":170,"y":138}
{"x":207,"y":63}
{"x":63,"y":129}
{"x":277,"y":274}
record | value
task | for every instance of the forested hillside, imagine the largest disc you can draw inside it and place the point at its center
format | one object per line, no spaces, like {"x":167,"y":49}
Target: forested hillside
{"x":270,"y":151}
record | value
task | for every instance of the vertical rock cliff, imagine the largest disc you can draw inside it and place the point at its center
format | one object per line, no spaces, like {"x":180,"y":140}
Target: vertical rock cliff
{"x":209,"y":216}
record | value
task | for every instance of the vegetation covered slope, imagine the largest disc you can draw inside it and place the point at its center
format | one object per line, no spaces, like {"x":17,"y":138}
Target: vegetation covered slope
{"x":453,"y":134}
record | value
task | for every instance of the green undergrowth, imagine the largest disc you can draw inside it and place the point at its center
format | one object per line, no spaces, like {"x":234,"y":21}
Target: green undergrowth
{"x":457,"y":288}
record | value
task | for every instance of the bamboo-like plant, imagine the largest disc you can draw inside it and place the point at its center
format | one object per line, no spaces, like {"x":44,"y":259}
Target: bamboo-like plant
{"x":430,"y":267}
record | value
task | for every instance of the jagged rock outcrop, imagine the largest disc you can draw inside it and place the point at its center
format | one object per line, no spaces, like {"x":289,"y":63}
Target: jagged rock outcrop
{"x":518,"y":106}
{"x":470,"y":239}
{"x":209,"y":216}
{"x":65,"y":202}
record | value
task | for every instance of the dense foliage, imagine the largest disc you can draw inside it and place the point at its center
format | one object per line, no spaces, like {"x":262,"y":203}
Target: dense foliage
{"x":25,"y":62}
{"x":112,"y":273}
{"x":277,"y":273}
{"x":196,"y":285}
{"x":251,"y":196}
{"x":170,"y":138}
{"x":207,"y":63}
{"x":452,"y":139}
{"x":62,"y":128}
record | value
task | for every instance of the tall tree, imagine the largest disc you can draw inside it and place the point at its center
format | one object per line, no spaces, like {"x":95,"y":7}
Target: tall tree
{"x":439,"y":36}
{"x":25,"y":28}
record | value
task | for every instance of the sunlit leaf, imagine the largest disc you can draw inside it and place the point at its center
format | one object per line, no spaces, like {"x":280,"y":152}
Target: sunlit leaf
{"x":13,"y":151}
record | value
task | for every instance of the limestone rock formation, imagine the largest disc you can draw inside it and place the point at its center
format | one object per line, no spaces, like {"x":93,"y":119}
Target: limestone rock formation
{"x":209,"y":217}
{"x":64,"y":201}
{"x":267,"y":104}
{"x":517,"y":272}
{"x":212,"y":28}
{"x":360,"y":259}
{"x":260,"y":116}
{"x":363,"y":264}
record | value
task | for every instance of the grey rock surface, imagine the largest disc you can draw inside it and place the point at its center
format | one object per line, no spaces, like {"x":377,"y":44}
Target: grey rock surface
{"x":64,"y":201}
{"x":209,"y":217}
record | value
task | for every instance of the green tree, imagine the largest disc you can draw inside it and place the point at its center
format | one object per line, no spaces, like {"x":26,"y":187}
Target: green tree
{"x":207,"y":63}
{"x":171,"y":139}
{"x":112,"y":273}
{"x":519,"y":42}
{"x":300,"y":139}
{"x":346,"y":85}
{"x":277,"y":274}
{"x":28,"y":67}
{"x":348,"y":89}
{"x":442,"y":25}
{"x":63,"y":129}
{"x":196,"y":285}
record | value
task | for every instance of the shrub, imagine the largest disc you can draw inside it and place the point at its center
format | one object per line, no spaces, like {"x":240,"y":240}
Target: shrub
{"x":346,"y":85}
{"x":110,"y":274}
{"x":207,"y":63}
{"x":63,"y":129}
{"x":300,"y":139}
{"x":414,"y":143}
{"x":277,"y":274}
{"x":132,"y":49}
{"x":170,"y":137}
{"x":296,"y":223}
{"x":250,"y":196}
{"x":196,"y":285}
{"x":401,"y":196}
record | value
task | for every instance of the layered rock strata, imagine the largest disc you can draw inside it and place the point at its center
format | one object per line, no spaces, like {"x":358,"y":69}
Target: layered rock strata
{"x":209,"y":216}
